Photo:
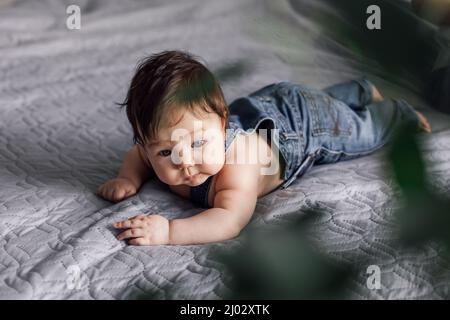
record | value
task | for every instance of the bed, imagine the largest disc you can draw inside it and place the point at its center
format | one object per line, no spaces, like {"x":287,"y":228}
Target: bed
{"x":62,"y":135}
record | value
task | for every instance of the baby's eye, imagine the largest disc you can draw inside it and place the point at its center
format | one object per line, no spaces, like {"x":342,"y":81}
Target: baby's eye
{"x":198,"y":143}
{"x":165,"y":153}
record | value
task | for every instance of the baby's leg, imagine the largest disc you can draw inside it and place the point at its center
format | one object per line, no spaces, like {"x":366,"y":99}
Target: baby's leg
{"x":355,"y":93}
{"x":338,"y":133}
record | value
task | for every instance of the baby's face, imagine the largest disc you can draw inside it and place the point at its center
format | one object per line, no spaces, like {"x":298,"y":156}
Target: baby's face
{"x":190,"y":151}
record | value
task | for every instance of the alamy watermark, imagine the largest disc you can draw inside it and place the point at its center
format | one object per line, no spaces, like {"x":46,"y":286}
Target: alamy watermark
{"x":374,"y":20}
{"x":73,"y":281}
{"x":186,"y":149}
{"x":73,"y":21}
{"x":374,"y":279}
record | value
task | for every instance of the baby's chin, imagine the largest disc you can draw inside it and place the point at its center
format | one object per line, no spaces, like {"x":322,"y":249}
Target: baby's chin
{"x":201,"y":177}
{"x":196,"y":180}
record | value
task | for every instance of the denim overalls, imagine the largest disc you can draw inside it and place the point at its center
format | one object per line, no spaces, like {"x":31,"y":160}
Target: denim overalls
{"x":315,"y":126}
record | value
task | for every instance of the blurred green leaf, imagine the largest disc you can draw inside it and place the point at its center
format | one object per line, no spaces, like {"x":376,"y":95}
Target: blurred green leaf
{"x":403,"y":49}
{"x":425,"y":215}
{"x":407,"y":163}
{"x":233,"y":71}
{"x":283,"y":264}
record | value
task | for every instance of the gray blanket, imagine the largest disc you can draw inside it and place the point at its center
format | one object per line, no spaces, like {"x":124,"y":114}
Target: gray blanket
{"x":61,"y":136}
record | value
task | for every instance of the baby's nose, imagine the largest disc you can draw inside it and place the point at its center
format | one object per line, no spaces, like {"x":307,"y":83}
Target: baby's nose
{"x":187,"y":166}
{"x":186,"y":161}
{"x":183,"y":158}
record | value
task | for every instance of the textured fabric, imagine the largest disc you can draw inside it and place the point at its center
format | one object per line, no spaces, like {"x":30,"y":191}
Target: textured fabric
{"x":61,"y":136}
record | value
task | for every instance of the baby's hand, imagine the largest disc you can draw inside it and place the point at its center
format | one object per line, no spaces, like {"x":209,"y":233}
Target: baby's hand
{"x":424,"y":125}
{"x":117,"y":189}
{"x":144,"y":230}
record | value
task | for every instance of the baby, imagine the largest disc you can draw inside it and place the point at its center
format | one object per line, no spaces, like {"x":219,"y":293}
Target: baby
{"x":223,"y":158}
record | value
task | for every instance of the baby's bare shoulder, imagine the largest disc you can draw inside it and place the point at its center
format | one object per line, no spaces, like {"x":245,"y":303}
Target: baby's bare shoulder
{"x":238,"y":177}
{"x":236,"y":190}
{"x":238,"y":172}
{"x":236,"y":186}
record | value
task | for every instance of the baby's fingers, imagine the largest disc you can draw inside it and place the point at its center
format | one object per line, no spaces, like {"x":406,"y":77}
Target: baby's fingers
{"x":108,"y":193}
{"x":105,"y":193}
{"x":139,"y":242}
{"x":100,"y":190}
{"x":129,"y":224}
{"x":131,"y":233}
{"x":117,"y":194}
{"x":129,"y":193}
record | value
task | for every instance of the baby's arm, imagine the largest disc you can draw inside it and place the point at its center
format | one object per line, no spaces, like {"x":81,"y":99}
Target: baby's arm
{"x":134,"y":172}
{"x":136,"y":167}
{"x":234,"y":204}
{"x":232,"y":211}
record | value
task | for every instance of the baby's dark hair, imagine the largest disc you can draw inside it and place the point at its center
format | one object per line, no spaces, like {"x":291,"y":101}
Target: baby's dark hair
{"x":169,"y":81}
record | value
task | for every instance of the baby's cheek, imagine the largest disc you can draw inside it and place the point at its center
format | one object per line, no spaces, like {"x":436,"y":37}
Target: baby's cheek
{"x":213,"y":161}
{"x":166,"y":174}
{"x":170,"y":178}
{"x":213,"y":156}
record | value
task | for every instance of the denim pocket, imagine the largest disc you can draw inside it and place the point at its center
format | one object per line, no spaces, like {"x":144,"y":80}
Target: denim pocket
{"x":328,"y":116}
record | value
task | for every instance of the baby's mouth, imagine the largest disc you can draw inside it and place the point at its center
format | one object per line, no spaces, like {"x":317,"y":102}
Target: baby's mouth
{"x":190,"y":172}
{"x":191,"y":177}
{"x":195,"y":180}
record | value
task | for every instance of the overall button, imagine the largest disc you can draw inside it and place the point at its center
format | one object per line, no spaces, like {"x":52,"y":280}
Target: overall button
{"x":289,"y":135}
{"x":265,"y":98}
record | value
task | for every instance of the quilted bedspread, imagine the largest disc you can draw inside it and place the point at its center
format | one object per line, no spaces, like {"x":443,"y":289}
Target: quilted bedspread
{"x":61,"y":136}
